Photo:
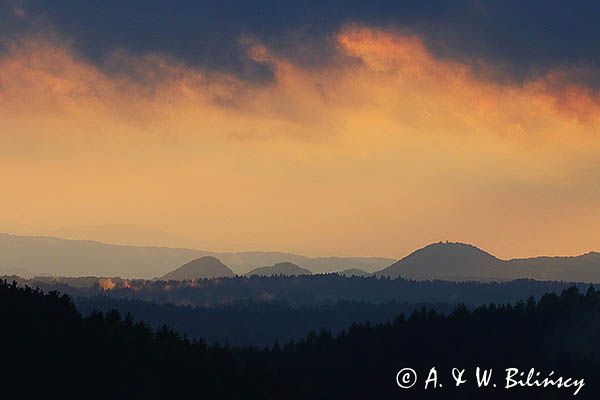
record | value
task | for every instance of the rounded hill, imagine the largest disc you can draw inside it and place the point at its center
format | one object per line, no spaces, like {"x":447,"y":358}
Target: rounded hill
{"x":203,"y":267}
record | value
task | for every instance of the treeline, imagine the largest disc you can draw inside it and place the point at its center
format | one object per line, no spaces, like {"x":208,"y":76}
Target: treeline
{"x":254,"y":323}
{"x":51,"y":351}
{"x":317,"y":289}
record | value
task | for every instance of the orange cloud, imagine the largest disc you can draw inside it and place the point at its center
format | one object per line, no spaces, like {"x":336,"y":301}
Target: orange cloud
{"x":370,"y":157}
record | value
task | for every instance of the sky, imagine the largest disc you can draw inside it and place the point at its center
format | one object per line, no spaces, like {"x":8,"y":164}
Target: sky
{"x":321,"y":128}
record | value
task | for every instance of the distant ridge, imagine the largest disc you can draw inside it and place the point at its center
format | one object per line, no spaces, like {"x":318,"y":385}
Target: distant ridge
{"x":29,"y":256}
{"x":283,"y":268}
{"x":200,"y":268}
{"x":461,"y":262}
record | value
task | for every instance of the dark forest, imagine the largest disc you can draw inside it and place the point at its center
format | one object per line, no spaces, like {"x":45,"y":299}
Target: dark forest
{"x":56,"y":352}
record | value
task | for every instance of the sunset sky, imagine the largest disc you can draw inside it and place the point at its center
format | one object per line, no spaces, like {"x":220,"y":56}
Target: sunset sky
{"x":321,"y":128}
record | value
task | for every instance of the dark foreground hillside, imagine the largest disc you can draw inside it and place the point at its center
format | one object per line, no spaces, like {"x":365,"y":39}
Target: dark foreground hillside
{"x":51,"y":351}
{"x":257,"y":324}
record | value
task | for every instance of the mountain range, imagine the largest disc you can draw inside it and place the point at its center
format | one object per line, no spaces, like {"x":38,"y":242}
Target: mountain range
{"x":29,"y":256}
{"x":457,"y":262}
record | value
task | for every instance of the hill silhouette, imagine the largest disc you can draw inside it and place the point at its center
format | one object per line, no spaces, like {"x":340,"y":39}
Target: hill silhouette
{"x":200,"y":268}
{"x":460,"y":262}
{"x":283,"y":268}
{"x":28,"y":256}
{"x":447,"y":261}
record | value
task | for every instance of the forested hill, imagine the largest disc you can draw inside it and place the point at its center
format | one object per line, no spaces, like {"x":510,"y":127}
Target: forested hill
{"x":51,"y":351}
{"x":305,"y":290}
{"x":260,"y":323}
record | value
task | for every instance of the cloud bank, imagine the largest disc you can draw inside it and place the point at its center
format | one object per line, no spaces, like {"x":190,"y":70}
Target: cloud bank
{"x":340,"y":128}
{"x":524,"y":39}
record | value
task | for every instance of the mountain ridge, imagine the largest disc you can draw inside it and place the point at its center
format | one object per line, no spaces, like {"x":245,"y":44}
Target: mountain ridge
{"x":51,"y":256}
{"x":48,"y":255}
{"x":457,"y":261}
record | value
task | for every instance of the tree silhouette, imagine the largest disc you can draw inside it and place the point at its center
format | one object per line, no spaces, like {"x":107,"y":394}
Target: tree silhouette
{"x":52,"y":351}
